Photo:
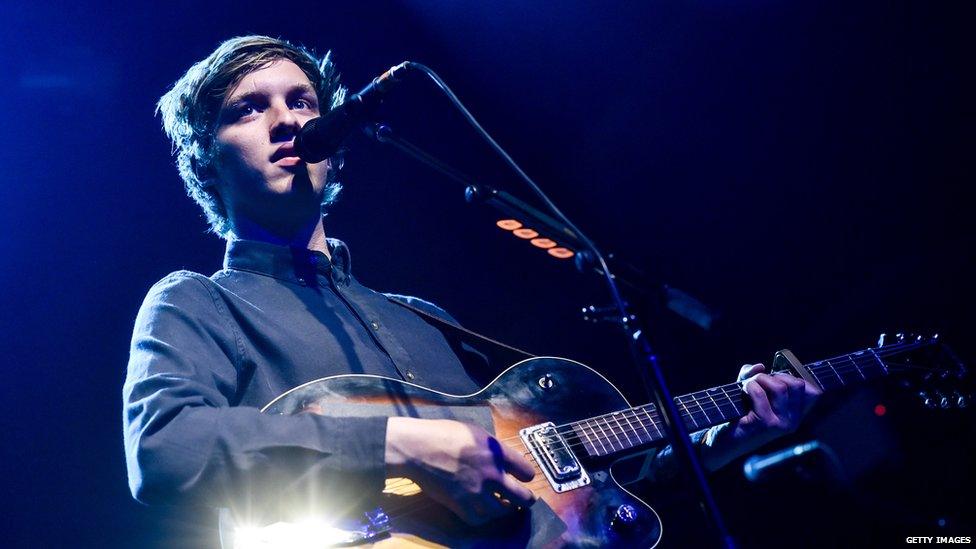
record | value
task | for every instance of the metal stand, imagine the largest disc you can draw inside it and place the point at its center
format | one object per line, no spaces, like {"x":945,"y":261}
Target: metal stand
{"x":643,"y":355}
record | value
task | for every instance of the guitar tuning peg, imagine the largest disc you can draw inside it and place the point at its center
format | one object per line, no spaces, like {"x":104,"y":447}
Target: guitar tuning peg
{"x":961,"y":400}
{"x":943,"y":400}
{"x":881,"y":339}
{"x":927,"y":401}
{"x":919,"y":339}
{"x":900,"y":337}
{"x":935,"y":336}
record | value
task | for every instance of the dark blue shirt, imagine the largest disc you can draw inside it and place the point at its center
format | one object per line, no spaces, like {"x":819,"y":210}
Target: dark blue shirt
{"x":208,"y":352}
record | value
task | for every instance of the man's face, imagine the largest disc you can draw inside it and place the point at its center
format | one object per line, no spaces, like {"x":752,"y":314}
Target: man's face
{"x":259,"y":175}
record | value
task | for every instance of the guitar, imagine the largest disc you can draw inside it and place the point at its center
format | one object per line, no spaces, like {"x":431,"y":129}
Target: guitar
{"x":573,"y":425}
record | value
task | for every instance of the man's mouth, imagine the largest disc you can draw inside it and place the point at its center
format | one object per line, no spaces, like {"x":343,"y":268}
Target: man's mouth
{"x":285,"y":155}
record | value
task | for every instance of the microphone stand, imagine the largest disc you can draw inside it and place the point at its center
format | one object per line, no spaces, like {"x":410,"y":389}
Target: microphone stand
{"x":641,"y":351}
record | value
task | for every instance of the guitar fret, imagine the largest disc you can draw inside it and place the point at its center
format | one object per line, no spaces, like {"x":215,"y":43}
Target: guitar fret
{"x":704,"y":413}
{"x":603,"y":428}
{"x":653,"y":423}
{"x":590,"y":425}
{"x":630,"y":443}
{"x":839,"y":378}
{"x":690,"y":415}
{"x":717,"y":406}
{"x":881,"y":363}
{"x":856,"y":367}
{"x":738,"y":413}
{"x":591,"y":449}
{"x":816,"y":377}
{"x":631,"y":428}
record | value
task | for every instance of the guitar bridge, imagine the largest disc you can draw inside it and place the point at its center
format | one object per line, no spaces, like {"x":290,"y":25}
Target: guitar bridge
{"x":554,"y":456}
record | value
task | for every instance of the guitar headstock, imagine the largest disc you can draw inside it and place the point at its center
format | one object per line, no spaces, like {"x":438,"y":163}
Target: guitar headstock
{"x":931,"y":369}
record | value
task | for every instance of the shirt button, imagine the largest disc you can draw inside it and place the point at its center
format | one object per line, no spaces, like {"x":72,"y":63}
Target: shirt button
{"x":374,"y":325}
{"x":410,"y":375}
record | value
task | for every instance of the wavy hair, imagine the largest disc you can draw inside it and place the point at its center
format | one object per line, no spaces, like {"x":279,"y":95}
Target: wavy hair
{"x":190,"y":110}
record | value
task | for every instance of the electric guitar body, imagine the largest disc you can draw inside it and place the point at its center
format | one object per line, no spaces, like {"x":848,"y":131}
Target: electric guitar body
{"x":589,"y":510}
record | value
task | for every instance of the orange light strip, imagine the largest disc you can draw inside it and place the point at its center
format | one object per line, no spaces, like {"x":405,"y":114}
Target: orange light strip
{"x":525,"y":233}
{"x":561,"y":253}
{"x":543,"y":243}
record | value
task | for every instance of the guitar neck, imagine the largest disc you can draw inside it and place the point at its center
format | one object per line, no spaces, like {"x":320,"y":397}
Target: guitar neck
{"x":625,"y":429}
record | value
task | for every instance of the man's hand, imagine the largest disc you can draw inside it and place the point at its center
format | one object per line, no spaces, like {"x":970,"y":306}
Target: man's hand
{"x":779,"y":402}
{"x":460,"y":466}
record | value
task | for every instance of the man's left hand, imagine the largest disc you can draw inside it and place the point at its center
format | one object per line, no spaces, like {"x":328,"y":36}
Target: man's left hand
{"x":779,"y":402}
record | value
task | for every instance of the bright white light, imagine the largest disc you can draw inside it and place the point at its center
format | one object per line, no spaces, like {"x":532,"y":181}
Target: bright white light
{"x":307,"y":534}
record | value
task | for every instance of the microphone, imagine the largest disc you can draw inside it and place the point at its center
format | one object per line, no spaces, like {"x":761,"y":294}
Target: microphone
{"x":321,"y":137}
{"x":757,"y":467}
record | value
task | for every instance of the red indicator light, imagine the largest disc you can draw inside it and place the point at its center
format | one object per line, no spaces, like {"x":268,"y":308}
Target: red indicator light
{"x":508,"y":224}
{"x":561,"y":253}
{"x":880,"y":410}
{"x":543,"y":243}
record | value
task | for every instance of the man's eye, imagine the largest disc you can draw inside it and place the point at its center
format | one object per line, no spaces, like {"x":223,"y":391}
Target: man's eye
{"x":244,"y":110}
{"x":302,"y":104}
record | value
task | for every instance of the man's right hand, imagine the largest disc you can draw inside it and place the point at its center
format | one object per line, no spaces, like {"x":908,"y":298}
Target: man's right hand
{"x":460,"y":466}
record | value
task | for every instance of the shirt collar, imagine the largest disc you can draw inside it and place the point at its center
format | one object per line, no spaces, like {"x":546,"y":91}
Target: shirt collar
{"x":287,"y":263}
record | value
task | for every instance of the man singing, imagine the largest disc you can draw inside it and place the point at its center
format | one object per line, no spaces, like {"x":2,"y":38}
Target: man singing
{"x":208,"y":352}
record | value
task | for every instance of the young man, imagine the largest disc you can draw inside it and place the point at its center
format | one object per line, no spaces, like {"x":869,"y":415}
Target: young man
{"x":208,"y":352}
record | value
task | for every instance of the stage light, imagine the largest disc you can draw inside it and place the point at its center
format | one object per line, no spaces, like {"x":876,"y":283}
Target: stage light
{"x":561,"y":253}
{"x":521,"y":231}
{"x":880,"y":410}
{"x":508,"y":224}
{"x":283,"y":535}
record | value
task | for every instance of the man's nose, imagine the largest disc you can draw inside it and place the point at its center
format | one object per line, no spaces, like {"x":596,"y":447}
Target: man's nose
{"x":284,"y":124}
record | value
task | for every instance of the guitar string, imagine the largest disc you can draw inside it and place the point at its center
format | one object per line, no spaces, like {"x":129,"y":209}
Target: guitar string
{"x":600,"y":426}
{"x":541,"y":481}
{"x":694,"y":401}
{"x":689,"y":413}
{"x":816,"y":365}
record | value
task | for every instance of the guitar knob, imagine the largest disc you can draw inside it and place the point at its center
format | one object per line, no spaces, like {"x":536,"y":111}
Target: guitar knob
{"x":546,"y":381}
{"x":943,"y":401}
{"x":624,"y":518}
{"x":961,"y":400}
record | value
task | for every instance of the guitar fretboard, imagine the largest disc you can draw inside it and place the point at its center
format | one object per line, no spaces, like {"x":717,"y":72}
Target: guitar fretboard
{"x":611,"y":433}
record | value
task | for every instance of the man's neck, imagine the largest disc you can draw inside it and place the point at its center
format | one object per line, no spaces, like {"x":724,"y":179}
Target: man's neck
{"x":311,"y":238}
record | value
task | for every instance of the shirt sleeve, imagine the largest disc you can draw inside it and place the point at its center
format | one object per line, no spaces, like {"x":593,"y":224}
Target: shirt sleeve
{"x":186,"y":443}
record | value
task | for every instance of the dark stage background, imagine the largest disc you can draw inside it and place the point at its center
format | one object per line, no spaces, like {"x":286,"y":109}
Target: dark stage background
{"x":802,"y":168}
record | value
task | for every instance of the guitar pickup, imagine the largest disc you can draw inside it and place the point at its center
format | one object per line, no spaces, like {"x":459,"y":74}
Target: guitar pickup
{"x":554,"y":456}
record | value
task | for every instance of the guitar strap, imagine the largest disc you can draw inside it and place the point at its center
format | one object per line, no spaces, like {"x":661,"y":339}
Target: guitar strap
{"x":476,"y":340}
